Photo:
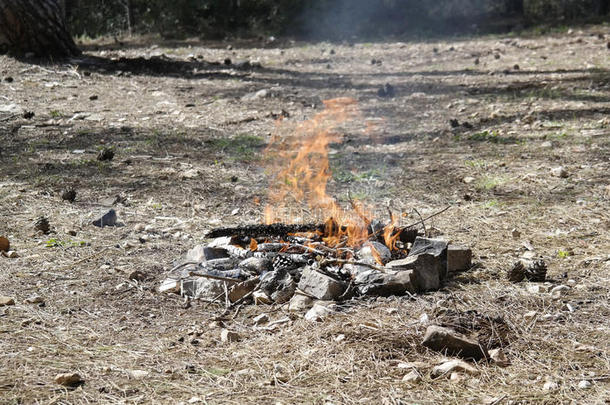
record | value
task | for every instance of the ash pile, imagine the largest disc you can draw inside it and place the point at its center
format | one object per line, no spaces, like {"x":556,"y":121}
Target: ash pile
{"x":299,"y":264}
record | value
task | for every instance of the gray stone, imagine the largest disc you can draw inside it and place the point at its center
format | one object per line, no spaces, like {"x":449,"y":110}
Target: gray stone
{"x":260,"y":319}
{"x":427,"y":270}
{"x":6,"y":301}
{"x":256,"y":265}
{"x":202,"y":287}
{"x":434,"y":247}
{"x":367,"y":256}
{"x":459,"y":258}
{"x":448,"y":341}
{"x":300,"y":302}
{"x":108,"y":219}
{"x":385,"y":284}
{"x":354,"y":270}
{"x":320,"y":286}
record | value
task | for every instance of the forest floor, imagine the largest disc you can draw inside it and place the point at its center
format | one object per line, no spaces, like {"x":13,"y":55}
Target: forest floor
{"x":190,"y":156}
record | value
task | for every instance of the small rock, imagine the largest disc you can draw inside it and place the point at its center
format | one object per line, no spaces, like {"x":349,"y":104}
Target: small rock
{"x":170,"y":285}
{"x":550,"y":386}
{"x":108,"y":219}
{"x":559,"y":172}
{"x":319,"y":285}
{"x":139,"y":227}
{"x":559,"y":291}
{"x":299,"y":303}
{"x":515,"y":233}
{"x":138,"y":374}
{"x":227,"y":336}
{"x":448,"y":341}
{"x":375,"y":283}
{"x":34,"y":299}
{"x":459,"y":258}
{"x":412,"y":377}
{"x":528,"y":316}
{"x":455,"y":377}
{"x":451,"y":366}
{"x":68,"y":379}
{"x":11,"y":254}
{"x":499,"y":357}
{"x":546,"y":144}
{"x":584,"y":384}
{"x":260,"y":297}
{"x":261,"y":319}
{"x":468,"y":179}
{"x":256,"y":95}
{"x":536,"y":288}
{"x":5,"y":244}
{"x":6,"y":301}
{"x":93,"y":97}
{"x":319,"y":311}
{"x":68,"y":195}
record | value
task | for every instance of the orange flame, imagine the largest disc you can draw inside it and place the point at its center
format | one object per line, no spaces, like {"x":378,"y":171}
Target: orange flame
{"x":301,"y":172}
{"x":388,"y":230}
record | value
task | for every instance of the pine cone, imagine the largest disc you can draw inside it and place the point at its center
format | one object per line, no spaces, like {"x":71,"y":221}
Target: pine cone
{"x":42,"y":224}
{"x":282,"y":262}
{"x":536,"y":271}
{"x":517,"y":272}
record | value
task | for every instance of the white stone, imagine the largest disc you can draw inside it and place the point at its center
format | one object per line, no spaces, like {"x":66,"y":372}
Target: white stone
{"x":559,"y":291}
{"x":300,"y":303}
{"x":261,"y":319}
{"x":550,"y":386}
{"x":170,"y":285}
{"x":260,"y":297}
{"x":559,"y":172}
{"x":528,"y":316}
{"x":584,"y":384}
{"x":412,"y":377}
{"x":227,"y":336}
{"x":499,"y":357}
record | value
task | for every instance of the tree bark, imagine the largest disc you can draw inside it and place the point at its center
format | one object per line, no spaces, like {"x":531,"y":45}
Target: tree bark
{"x":37,"y":27}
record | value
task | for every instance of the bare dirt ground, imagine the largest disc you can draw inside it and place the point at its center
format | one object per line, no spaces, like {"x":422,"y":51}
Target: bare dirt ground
{"x":189,"y":151}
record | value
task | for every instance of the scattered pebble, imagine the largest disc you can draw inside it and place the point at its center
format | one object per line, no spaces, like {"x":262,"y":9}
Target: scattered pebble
{"x":560,"y":172}
{"x":34,"y":299}
{"x":451,"y":366}
{"x":412,"y":377}
{"x":584,"y":384}
{"x":261,"y":319}
{"x":550,"y":386}
{"x":499,"y":357}
{"x":6,"y":301}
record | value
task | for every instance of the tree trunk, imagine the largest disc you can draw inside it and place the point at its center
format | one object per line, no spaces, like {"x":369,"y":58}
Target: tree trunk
{"x":36,"y":26}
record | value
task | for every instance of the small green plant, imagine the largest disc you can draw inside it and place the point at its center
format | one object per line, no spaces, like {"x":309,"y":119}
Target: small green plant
{"x":55,"y":114}
{"x":240,"y":147}
{"x":564,"y":253}
{"x":492,"y":137}
{"x":60,"y":243}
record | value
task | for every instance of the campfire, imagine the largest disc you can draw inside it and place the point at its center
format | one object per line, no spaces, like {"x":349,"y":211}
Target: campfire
{"x":340,"y":253}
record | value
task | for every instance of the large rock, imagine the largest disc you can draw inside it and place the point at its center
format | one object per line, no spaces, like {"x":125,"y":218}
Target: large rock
{"x":385,"y":284}
{"x":459,"y":258}
{"x":320,"y":286}
{"x":434,"y":247}
{"x":450,"y":342}
{"x":427,"y":270}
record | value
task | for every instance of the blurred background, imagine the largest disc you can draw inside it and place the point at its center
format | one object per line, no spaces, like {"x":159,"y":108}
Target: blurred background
{"x":327,"y":19}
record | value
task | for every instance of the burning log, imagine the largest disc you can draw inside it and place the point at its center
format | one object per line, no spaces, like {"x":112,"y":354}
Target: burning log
{"x":264,"y":230}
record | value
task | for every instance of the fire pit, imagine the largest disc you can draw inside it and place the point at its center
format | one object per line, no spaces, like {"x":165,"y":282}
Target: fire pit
{"x":346,"y":254}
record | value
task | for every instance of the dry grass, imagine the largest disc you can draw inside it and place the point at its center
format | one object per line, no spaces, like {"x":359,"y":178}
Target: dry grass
{"x":106,"y":327}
